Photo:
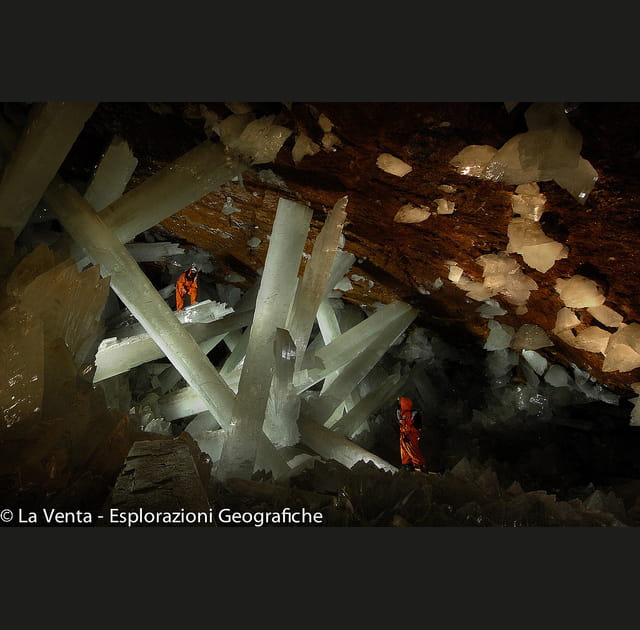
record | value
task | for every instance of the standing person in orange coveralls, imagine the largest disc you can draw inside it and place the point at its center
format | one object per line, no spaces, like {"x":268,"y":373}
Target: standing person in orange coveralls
{"x":187,"y":284}
{"x":410,"y":424}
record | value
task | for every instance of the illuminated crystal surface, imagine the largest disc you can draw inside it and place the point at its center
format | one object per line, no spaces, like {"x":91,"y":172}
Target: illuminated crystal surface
{"x":579,"y":292}
{"x":312,"y":287}
{"x":41,"y":148}
{"x":530,"y":337}
{"x":536,"y":248}
{"x":112,"y":175}
{"x":275,"y":297}
{"x":411,"y":214}
{"x":393,"y":165}
{"x":140,"y":297}
{"x":606,"y":316}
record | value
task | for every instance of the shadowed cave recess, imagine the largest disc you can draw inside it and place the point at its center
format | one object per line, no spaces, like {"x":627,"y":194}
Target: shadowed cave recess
{"x":478,"y":258}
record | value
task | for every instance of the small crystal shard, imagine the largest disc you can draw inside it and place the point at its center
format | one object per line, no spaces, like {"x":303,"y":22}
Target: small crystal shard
{"x":530,"y":337}
{"x":565,"y":319}
{"x":606,"y":316}
{"x":393,"y":165}
{"x":411,"y":214}
{"x":473,"y":159}
{"x":579,"y":292}
{"x":536,"y":248}
{"x":303,"y":146}
{"x":528,"y":202}
{"x":592,"y":339}
{"x":557,"y":376}
{"x":499,"y":336}
{"x":445,"y":206}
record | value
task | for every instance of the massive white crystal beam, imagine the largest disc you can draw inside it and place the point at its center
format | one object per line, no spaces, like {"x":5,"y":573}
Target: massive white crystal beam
{"x":313,"y":286}
{"x":151,"y":252}
{"x":330,"y":445}
{"x":352,"y":342}
{"x":283,"y":406}
{"x":353,"y":372}
{"x":275,"y":296}
{"x":116,"y":356}
{"x":112,"y":175}
{"x":138,"y":294}
{"x":351,"y":422}
{"x":189,"y":178}
{"x":41,"y":148}
{"x":180,"y":404}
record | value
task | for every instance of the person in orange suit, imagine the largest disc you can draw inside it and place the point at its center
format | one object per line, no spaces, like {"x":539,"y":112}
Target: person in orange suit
{"x":410,"y":424}
{"x":187,"y":285}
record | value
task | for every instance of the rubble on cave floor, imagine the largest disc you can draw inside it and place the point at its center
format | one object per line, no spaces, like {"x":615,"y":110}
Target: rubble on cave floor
{"x":468,"y":495}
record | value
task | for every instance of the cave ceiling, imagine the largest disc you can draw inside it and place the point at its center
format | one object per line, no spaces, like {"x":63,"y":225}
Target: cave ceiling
{"x":403,"y":260}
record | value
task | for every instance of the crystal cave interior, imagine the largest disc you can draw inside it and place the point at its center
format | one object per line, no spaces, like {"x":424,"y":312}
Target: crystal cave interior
{"x":477,"y":257}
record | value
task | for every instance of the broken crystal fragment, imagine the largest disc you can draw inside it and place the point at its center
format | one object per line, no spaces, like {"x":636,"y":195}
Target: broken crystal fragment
{"x":579,"y":292}
{"x":411,"y":214}
{"x":537,"y":362}
{"x":621,"y":358}
{"x":528,"y":202}
{"x":473,"y":159}
{"x":393,"y":165}
{"x":592,"y":339}
{"x":606,"y":316}
{"x":530,"y":337}
{"x":444,"y":206}
{"x":500,"y":336}
{"x":565,"y":320}
{"x":490,"y":308}
{"x":557,"y":376}
{"x":536,"y":248}
{"x":325,"y":124}
{"x":260,"y":141}
{"x":303,"y":146}
{"x":623,"y":350}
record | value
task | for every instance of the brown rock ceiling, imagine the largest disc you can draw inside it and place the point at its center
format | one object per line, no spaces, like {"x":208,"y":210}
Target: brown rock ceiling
{"x":404,"y":259}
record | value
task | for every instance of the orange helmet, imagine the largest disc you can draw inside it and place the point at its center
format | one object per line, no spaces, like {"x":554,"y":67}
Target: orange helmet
{"x":405,"y":403}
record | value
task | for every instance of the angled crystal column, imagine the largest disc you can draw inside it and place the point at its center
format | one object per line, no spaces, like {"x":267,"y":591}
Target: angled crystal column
{"x":48,"y":136}
{"x":185,"y":402}
{"x":351,"y":343}
{"x":116,"y":356}
{"x":353,"y":372}
{"x":330,"y":445}
{"x":351,"y":422}
{"x":189,"y":178}
{"x":151,"y":252}
{"x":140,"y":296}
{"x":313,"y":286}
{"x":275,"y":296}
{"x":283,"y":406}
{"x":112,"y":175}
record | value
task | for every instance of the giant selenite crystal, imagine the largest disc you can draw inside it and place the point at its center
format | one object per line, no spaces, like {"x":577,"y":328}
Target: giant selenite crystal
{"x":275,"y":296}
{"x":313,"y":285}
{"x":140,"y":296}
{"x":112,"y":175}
{"x":49,"y":134}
